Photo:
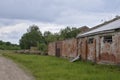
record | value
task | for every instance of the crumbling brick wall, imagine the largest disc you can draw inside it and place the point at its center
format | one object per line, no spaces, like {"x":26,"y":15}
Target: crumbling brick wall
{"x":51,"y":49}
{"x":68,"y":48}
{"x":100,"y":51}
{"x":82,"y":48}
{"x":110,"y":52}
{"x":117,"y":44}
{"x":107,"y":50}
{"x":91,"y":50}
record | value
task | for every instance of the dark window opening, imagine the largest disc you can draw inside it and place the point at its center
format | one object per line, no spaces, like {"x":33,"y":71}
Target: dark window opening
{"x":90,"y":40}
{"x":117,"y":30}
{"x":107,"y":39}
{"x":58,"y":52}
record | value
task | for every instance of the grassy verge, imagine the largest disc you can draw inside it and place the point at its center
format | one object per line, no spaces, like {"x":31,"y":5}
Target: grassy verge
{"x":52,"y":68}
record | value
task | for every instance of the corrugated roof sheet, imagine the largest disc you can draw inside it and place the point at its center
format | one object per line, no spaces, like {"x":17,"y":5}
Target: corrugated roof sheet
{"x":111,"y":26}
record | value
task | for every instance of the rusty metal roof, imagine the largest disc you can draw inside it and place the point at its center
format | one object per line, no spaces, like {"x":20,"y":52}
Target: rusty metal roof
{"x":102,"y":29}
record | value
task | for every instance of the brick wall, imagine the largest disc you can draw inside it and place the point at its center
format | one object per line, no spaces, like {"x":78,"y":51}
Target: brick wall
{"x":51,"y":49}
{"x":98,"y":51}
{"x":68,"y":48}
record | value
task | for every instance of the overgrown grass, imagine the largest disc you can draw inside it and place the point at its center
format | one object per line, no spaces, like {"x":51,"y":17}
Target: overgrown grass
{"x":52,"y":68}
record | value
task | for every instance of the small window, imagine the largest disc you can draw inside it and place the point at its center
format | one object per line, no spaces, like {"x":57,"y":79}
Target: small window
{"x":107,"y":39}
{"x":90,"y":40}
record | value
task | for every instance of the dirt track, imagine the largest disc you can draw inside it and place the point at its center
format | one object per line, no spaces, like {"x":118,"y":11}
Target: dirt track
{"x":10,"y":71}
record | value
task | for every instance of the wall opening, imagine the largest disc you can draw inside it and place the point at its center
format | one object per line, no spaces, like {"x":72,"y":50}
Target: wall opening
{"x":90,"y":40}
{"x":107,"y":39}
{"x":58,"y":49}
{"x":58,"y":52}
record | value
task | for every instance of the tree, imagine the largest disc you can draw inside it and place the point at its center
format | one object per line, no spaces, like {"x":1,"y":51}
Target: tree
{"x":69,"y":33}
{"x":31,"y":38}
{"x":8,"y":43}
{"x":42,"y":47}
{"x":8,"y":46}
{"x":50,"y":37}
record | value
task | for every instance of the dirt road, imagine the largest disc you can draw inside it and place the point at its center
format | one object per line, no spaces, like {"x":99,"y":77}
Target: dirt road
{"x":10,"y":71}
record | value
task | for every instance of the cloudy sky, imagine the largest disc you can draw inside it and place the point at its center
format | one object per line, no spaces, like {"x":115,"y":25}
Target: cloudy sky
{"x":17,"y":15}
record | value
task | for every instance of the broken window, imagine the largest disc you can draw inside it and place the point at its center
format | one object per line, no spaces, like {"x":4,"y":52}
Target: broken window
{"x":90,"y":40}
{"x":107,"y":39}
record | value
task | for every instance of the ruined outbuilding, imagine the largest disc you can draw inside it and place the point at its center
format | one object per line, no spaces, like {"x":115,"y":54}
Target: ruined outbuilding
{"x":101,"y":44}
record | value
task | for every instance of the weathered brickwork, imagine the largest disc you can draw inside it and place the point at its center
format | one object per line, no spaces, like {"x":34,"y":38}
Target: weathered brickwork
{"x":100,"y":51}
{"x":66,"y":48}
{"x":91,"y":51}
{"x":92,"y":48}
{"x":117,"y":47}
{"x":51,"y":49}
{"x":69,"y":48}
{"x":82,"y":48}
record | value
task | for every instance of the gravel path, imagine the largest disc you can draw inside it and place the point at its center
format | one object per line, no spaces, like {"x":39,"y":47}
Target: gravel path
{"x":10,"y":71}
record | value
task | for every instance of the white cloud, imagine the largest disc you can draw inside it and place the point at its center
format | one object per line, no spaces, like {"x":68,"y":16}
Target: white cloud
{"x":13,"y":33}
{"x":16,"y":28}
{"x":17,"y":15}
{"x":78,"y":19}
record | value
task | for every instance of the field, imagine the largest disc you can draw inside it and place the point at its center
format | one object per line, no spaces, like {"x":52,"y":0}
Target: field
{"x":53,"y":68}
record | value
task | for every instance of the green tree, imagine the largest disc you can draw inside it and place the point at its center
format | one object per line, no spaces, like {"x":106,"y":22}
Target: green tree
{"x":42,"y":47}
{"x":31,"y":38}
{"x":50,"y":37}
{"x":8,"y":43}
{"x":69,"y":33}
{"x":8,"y":46}
{"x":1,"y":42}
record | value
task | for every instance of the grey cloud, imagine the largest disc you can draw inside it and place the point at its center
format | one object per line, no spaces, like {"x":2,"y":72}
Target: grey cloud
{"x":31,"y":9}
{"x":112,"y":5}
{"x":5,"y":22}
{"x":53,"y":11}
{"x":60,"y":12}
{"x":10,"y":35}
{"x":42,"y":10}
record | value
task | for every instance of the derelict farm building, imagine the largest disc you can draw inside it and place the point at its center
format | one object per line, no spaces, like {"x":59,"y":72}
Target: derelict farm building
{"x":101,"y":44}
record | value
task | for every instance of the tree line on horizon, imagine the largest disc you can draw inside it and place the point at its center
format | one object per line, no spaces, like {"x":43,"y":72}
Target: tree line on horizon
{"x":8,"y":46}
{"x":34,"y":37}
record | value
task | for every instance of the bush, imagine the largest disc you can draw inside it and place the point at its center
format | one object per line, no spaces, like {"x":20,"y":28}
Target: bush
{"x":42,"y":47}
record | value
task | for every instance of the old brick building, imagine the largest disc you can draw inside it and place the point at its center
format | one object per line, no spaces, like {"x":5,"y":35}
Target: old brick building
{"x":101,"y":44}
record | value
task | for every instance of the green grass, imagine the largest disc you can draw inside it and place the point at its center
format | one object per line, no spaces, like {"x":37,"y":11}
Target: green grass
{"x":52,"y":68}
